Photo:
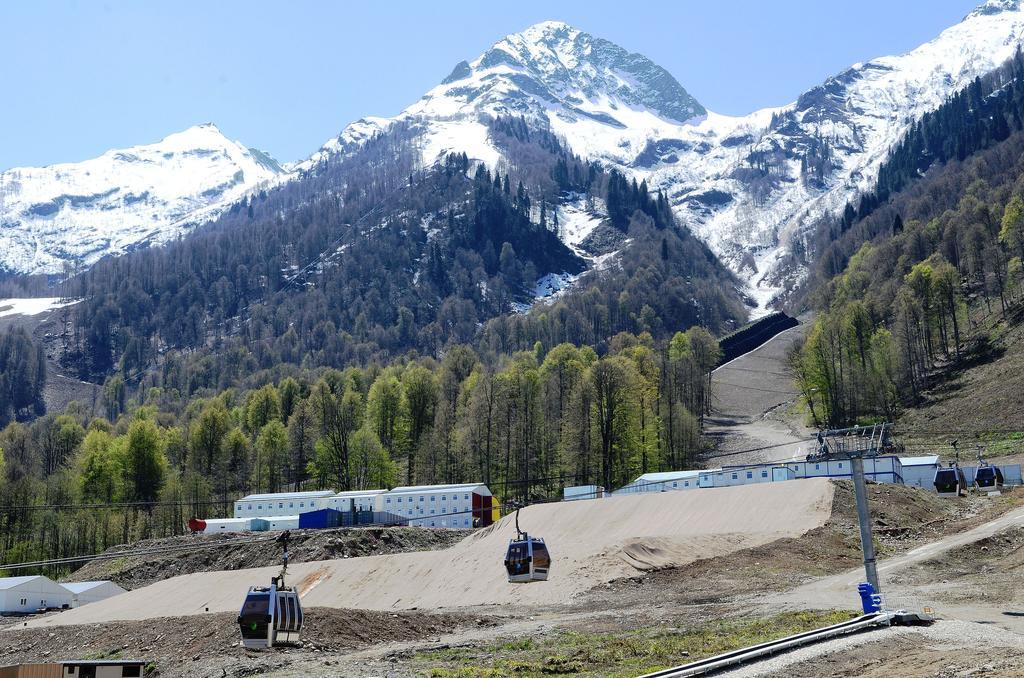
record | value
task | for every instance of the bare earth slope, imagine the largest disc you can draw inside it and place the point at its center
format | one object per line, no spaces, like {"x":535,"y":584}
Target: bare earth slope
{"x":592,"y":542}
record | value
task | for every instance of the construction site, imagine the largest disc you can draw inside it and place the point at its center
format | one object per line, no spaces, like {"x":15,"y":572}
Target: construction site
{"x":639,"y":582}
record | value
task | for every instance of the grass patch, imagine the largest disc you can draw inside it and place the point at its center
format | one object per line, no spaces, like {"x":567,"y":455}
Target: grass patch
{"x":616,"y":654}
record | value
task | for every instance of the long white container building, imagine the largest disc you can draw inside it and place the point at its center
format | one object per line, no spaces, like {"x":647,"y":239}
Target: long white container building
{"x":282,"y":503}
{"x":437,"y":505}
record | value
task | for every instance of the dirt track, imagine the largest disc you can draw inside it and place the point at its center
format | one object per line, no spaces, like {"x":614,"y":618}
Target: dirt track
{"x":750,"y":397}
{"x":593,"y":542}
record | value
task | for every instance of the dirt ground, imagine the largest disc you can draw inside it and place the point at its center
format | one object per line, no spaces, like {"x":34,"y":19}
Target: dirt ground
{"x":752,"y":399}
{"x":208,"y":645}
{"x":704,"y":592}
{"x":305,"y":546}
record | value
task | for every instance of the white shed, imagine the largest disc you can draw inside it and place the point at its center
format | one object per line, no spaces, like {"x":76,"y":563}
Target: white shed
{"x":920,"y":471}
{"x":31,"y":593}
{"x":85,"y":592}
{"x":281,"y":522}
{"x":227,"y":525}
{"x":661,"y":482}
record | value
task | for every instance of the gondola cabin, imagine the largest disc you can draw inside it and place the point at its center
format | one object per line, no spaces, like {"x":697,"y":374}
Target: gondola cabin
{"x":270,"y":616}
{"x":950,"y":482}
{"x":989,"y":478}
{"x":527,"y":559}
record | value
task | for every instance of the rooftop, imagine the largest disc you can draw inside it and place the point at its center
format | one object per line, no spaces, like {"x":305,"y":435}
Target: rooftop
{"x":928,"y":460}
{"x":11,"y":582}
{"x":277,"y":496}
{"x":360,"y":493}
{"x":80,"y":586}
{"x":438,"y":488}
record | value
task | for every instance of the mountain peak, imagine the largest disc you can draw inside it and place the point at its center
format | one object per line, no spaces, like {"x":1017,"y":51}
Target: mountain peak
{"x":995,"y":7}
{"x":552,"y":68}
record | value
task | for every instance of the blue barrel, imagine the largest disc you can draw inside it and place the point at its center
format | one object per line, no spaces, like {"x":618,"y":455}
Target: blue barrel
{"x":869,"y":600}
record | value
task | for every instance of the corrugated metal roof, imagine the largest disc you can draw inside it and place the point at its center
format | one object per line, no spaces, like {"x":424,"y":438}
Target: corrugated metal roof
{"x":360,"y":493}
{"x":437,"y":488}
{"x":11,"y":582}
{"x":928,"y":460}
{"x":80,"y":586}
{"x":315,"y":494}
{"x":666,"y":475}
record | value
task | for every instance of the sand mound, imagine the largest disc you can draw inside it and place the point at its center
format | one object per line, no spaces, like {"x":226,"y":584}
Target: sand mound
{"x":592,"y":542}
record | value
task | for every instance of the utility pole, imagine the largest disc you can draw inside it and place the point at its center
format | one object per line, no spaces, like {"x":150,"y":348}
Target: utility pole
{"x":854,"y":444}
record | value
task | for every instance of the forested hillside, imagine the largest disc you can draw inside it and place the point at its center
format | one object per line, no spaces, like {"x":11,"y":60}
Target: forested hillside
{"x":934,"y":252}
{"x":527,"y":427}
{"x":355,"y":330}
{"x":369,"y":256}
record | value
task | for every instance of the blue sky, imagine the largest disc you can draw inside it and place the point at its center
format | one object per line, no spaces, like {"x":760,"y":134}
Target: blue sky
{"x":82,"y":77}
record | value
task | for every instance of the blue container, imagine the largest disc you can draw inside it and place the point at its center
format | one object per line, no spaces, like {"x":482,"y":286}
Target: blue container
{"x":869,"y":600}
{"x":319,"y":520}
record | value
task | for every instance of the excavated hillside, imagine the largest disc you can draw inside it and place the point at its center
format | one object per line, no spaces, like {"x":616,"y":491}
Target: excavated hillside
{"x":132,"y":572}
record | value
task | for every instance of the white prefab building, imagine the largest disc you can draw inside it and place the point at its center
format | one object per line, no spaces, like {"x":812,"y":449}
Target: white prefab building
{"x":27,"y":594}
{"x":920,"y":471}
{"x":85,"y":592}
{"x":227,"y":525}
{"x":662,"y":482}
{"x":436,"y":505}
{"x":282,"y":503}
{"x":362,"y":500}
{"x":579,"y":492}
{"x":272,"y":523}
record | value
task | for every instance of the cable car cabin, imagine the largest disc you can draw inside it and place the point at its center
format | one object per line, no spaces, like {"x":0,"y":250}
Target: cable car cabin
{"x":950,"y":482}
{"x":527,"y":559}
{"x":270,"y":616}
{"x":989,"y":478}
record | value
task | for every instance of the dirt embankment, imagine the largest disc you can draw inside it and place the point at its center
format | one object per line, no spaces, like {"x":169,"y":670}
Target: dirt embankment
{"x":132,"y":572}
{"x":902,"y":519}
{"x":989,"y":571}
{"x":208,"y":645}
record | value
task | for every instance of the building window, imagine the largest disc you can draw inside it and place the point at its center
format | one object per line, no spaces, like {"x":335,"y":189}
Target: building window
{"x":291,"y":505}
{"x":840,"y":464}
{"x":399,"y":500}
{"x":734,"y":476}
{"x":388,"y":500}
{"x":421,"y":498}
{"x":686,"y":483}
{"x":431,"y":511}
{"x":238,"y":507}
{"x":817,"y":467}
{"x":675,"y":485}
{"x":250,"y":507}
{"x":466,"y":497}
{"x":444,"y":498}
{"x":444,"y":509}
{"x":750,"y":474}
{"x":433,"y":497}
{"x":280,"y":504}
{"x":131,"y":671}
{"x":764,"y":474}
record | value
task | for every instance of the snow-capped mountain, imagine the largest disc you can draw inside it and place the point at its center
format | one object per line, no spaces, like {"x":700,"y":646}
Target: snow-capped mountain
{"x":748,"y":185}
{"x":122,"y":199}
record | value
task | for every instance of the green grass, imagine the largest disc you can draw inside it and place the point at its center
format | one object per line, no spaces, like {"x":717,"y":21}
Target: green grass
{"x":628,"y":653}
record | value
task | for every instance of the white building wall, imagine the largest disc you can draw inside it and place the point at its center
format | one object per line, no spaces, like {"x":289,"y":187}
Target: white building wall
{"x":283,"y":504}
{"x":432,"y":507}
{"x":101,"y":591}
{"x":366,"y":501}
{"x":919,"y":476}
{"x":33,"y":594}
{"x":283,"y":522}
{"x":227,"y":525}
